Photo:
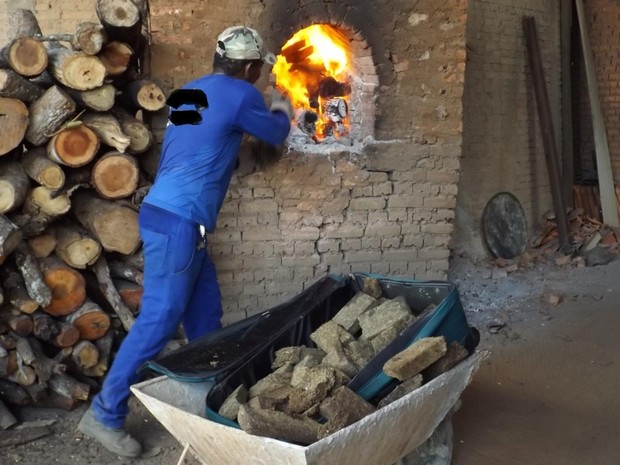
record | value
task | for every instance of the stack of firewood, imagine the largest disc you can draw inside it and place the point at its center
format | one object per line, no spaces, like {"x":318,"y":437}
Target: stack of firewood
{"x":72,"y":131}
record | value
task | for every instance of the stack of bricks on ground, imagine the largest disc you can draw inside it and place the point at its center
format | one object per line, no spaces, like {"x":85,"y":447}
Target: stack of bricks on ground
{"x":306,"y":398}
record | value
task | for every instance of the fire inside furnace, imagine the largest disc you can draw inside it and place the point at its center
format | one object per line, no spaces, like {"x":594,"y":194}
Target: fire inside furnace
{"x":312,"y":69}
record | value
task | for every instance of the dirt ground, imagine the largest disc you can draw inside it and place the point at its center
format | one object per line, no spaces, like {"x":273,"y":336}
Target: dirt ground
{"x":546,"y":395}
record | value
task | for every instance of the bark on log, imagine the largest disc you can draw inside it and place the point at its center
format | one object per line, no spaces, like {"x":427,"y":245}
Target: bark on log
{"x":37,"y":391}
{"x":140,"y":137}
{"x":57,"y":401}
{"x":14,"y":186}
{"x":89,"y":38}
{"x":47,"y":114}
{"x":67,"y":285}
{"x":69,"y":387}
{"x":76,"y":69}
{"x":125,"y":271}
{"x":32,"y":355}
{"x":116,"y":57}
{"x":33,"y":278}
{"x":7,"y":419}
{"x":74,"y":147}
{"x":104,"y":346}
{"x":44,"y":326}
{"x":108,"y":129}
{"x":25,"y":55}
{"x":91,"y":322}
{"x":44,"y":80}
{"x":85,"y":355}
{"x":41,"y":207}
{"x":135,"y":260}
{"x":22,"y":22}
{"x":24,"y":375}
{"x":144,"y":94}
{"x":20,"y":323}
{"x":98,"y":99}
{"x":13,"y":123}
{"x":12,"y":85}
{"x":8,"y":340}
{"x":131,"y":294}
{"x":17,"y":294}
{"x":106,"y":285}
{"x":43,"y":170}
{"x":114,"y":226}
{"x":43,"y":244}
{"x":115,"y":175}
{"x":12,"y":393}
{"x":122,"y":20}
{"x":76,"y":247}
{"x":10,"y":236}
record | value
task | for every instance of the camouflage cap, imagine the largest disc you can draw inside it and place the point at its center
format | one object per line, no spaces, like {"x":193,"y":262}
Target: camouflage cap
{"x":243,"y":43}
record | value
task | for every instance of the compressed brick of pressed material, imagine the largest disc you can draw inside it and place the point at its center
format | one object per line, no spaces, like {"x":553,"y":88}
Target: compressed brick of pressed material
{"x":230,"y":407}
{"x":339,"y":360}
{"x":383,"y":339}
{"x":372,"y":287}
{"x":285,"y":369}
{"x":331,"y":337}
{"x":415,"y":358}
{"x":359,"y":353}
{"x":348,"y":315}
{"x":341,"y":420}
{"x":294,"y":355}
{"x":402,"y":390}
{"x":455,"y":354}
{"x":387,"y":315}
{"x":277,"y":399}
{"x":278,"y":425}
{"x":269,"y":383}
{"x":344,"y":401}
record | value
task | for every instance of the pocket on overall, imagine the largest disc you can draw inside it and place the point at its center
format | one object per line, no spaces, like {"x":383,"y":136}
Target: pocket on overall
{"x":182,"y":247}
{"x":155,"y":251}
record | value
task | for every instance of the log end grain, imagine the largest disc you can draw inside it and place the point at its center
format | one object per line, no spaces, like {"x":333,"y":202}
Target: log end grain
{"x":68,"y":290}
{"x":13,"y":123}
{"x":28,"y":56}
{"x":150,"y":97}
{"x":115,"y":175}
{"x":74,"y":147}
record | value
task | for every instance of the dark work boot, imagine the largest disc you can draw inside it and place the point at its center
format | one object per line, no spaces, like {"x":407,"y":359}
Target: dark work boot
{"x":115,"y":440}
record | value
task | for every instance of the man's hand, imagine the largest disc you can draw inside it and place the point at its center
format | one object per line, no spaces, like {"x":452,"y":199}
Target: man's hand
{"x":280,"y":102}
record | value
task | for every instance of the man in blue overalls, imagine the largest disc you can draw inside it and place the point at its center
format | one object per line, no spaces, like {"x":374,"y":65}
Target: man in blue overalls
{"x":199,"y":153}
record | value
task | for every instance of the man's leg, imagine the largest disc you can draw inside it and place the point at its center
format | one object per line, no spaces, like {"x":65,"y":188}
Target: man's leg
{"x":204,"y":312}
{"x":171,"y":269}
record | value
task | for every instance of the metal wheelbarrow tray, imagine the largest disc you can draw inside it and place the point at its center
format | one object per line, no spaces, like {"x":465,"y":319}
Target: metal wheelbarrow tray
{"x":212,"y":367}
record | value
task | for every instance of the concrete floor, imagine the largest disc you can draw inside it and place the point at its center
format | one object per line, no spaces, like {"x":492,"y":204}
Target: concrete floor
{"x":549,"y":393}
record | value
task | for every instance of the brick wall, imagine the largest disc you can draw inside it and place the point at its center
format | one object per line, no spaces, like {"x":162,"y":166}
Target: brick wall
{"x":502,"y":145}
{"x":388,"y":209}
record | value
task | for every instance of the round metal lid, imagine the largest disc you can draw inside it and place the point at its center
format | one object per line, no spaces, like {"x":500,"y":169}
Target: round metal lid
{"x":504,"y":227}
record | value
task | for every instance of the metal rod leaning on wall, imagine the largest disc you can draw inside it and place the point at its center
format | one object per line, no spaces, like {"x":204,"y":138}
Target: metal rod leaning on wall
{"x":609,"y":203}
{"x":546,"y":125}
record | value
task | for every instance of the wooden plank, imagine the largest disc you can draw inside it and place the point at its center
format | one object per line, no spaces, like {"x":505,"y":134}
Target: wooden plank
{"x":603,"y":162}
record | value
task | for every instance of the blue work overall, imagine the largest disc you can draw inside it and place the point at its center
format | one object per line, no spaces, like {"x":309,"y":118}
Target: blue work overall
{"x":180,"y":285}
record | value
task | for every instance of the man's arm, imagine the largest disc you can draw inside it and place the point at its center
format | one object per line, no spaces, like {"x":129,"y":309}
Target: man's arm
{"x":259,"y":121}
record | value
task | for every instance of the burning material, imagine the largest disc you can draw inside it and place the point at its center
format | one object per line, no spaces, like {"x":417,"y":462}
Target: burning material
{"x":313,"y":70}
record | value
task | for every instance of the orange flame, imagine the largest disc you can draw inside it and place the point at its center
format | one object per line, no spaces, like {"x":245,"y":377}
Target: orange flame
{"x":307,"y":59}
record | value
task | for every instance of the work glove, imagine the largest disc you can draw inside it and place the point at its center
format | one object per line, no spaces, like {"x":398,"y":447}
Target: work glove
{"x":280,"y":102}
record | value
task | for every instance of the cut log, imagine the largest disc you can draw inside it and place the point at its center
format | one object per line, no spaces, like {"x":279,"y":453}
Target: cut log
{"x":114,"y":226}
{"x":7,"y":419}
{"x":69,"y":387}
{"x":135,"y":260}
{"x":33,"y":278}
{"x":10,"y":236}
{"x":102,"y":272}
{"x":123,"y":270}
{"x":17,"y":294}
{"x":32,"y":355}
{"x":116,"y":57}
{"x":12,"y":85}
{"x":13,"y":123}
{"x":75,"y":246}
{"x":14,"y":394}
{"x":104,"y":346}
{"x":22,"y":22}
{"x":25,"y":55}
{"x":140,"y":137}
{"x":89,"y":38}
{"x":47,"y":114}
{"x":44,"y":326}
{"x":76,"y":69}
{"x":98,"y":99}
{"x":74,"y":147}
{"x":41,"y":207}
{"x":8,"y":340}
{"x":122,"y":20}
{"x":14,"y":186}
{"x":108,"y":129}
{"x":24,"y":375}
{"x":44,"y":80}
{"x":20,"y":324}
{"x":43,"y":170}
{"x":131,"y":294}
{"x":91,"y":322}
{"x":144,"y":94}
{"x":67,"y":335}
{"x":37,"y":391}
{"x":2,"y":327}
{"x":115,"y":175}
{"x":67,"y":285}
{"x":43,"y":244}
{"x":56,"y":401}
{"x":85,"y":355}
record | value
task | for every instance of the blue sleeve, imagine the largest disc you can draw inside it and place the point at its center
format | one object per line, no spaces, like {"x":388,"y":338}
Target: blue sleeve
{"x":256,"y":119}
